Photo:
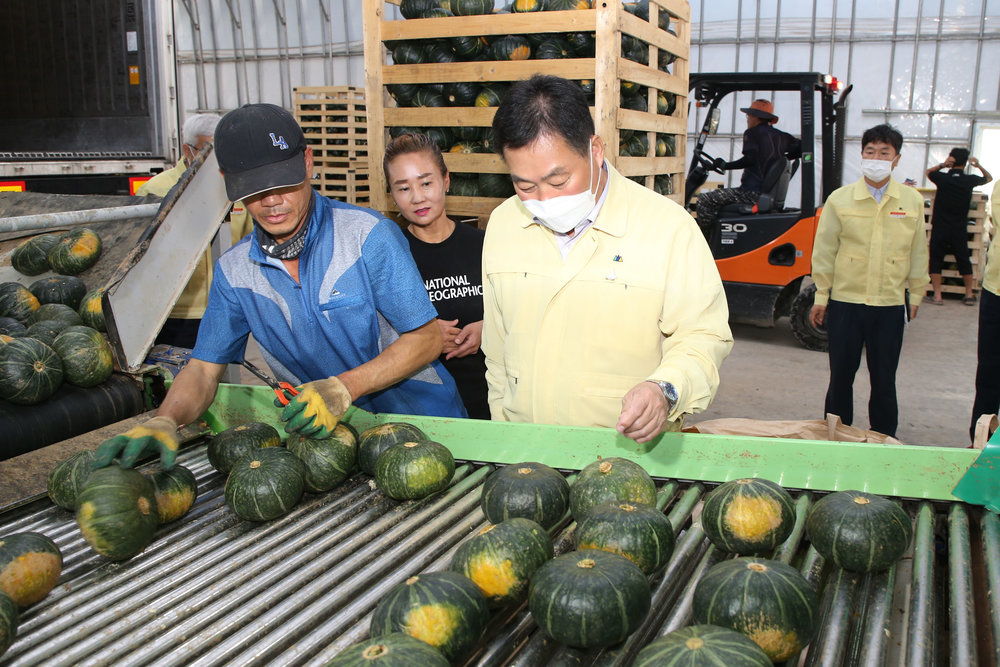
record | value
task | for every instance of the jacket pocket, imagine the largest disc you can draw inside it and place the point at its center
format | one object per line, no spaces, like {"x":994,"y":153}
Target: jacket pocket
{"x":342,"y":301}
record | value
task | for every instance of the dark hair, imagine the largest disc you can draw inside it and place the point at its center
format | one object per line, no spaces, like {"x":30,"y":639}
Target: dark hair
{"x":412,"y":143}
{"x":961,"y":156}
{"x":543,"y":105}
{"x":882,"y":134}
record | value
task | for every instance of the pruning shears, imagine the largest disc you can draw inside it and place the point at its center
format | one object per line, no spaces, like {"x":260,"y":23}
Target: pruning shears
{"x":283,"y":390}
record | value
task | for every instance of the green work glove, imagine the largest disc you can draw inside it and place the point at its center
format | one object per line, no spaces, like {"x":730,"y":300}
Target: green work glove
{"x":317,"y":409}
{"x":158,"y":434}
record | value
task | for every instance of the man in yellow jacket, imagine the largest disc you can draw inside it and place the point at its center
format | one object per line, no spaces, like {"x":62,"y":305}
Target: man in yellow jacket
{"x":870,"y":247}
{"x":181,"y":328}
{"x":603,"y":305}
{"x":988,"y":367}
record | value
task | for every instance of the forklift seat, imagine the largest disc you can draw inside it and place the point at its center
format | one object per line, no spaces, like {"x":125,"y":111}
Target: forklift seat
{"x":775,"y":188}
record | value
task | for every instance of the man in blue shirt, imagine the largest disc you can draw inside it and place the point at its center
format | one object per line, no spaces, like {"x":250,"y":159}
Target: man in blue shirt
{"x":329,"y":291}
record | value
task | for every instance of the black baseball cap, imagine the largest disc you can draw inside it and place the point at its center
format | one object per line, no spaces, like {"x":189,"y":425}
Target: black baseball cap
{"x":259,"y":147}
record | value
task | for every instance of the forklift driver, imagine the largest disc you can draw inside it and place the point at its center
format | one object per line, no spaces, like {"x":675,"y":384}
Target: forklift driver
{"x":329,"y":291}
{"x":762,"y":146}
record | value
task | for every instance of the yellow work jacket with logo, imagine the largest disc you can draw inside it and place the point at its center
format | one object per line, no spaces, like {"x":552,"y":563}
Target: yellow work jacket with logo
{"x":869,"y":252}
{"x":991,"y":279}
{"x":194,"y":299}
{"x":637,"y":298}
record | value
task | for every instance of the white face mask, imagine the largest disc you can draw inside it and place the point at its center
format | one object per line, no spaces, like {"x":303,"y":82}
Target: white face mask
{"x":876,"y":171}
{"x":561,"y":214}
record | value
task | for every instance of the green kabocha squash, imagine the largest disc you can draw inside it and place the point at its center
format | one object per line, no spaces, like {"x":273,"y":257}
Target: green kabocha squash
{"x":467,"y":47}
{"x":400,"y":130}
{"x":4,"y":339}
{"x":379,"y":438}
{"x":467,"y":147}
{"x":584,"y":43}
{"x":444,"y":609}
{"x":510,"y":47}
{"x":396,"y":649}
{"x":589,"y":598}
{"x":501,"y":559}
{"x":265,"y":484}
{"x":68,"y":478}
{"x":229,"y":446}
{"x":30,"y":565}
{"x":665,"y":58}
{"x":45,"y":331}
{"x":408,"y":53}
{"x":30,"y":371}
{"x":76,"y":251}
{"x":440,"y":135}
{"x":636,"y":145}
{"x":56,"y":311}
{"x":16,"y":301}
{"x":11,"y":327}
{"x":520,"y":6}
{"x":86,"y":356}
{"x":468,"y":133}
{"x":403,"y":93}
{"x":439,"y":53}
{"x":116,"y":512}
{"x":634,"y":49}
{"x":766,"y":600}
{"x":552,"y":48}
{"x":666,"y":144}
{"x":491,"y":95}
{"x":31,"y":257}
{"x":464,"y":185}
{"x":702,"y":646}
{"x":635,"y":102}
{"x":859,"y":531}
{"x":8,"y":622}
{"x":528,"y":490}
{"x":748,"y":516}
{"x":666,"y":103}
{"x":641,"y":9}
{"x":641,"y":533}
{"x":414,"y":469}
{"x":436,"y":12}
{"x":412,"y":9}
{"x":175,"y":491}
{"x":608,"y":481}
{"x":495,"y":185}
{"x":67,"y":290}
{"x":428,"y":97}
{"x":91,"y":310}
{"x":327,"y":461}
{"x":461,"y":94}
{"x":471,"y":7}
{"x":663,"y":184}
{"x":565,"y":5}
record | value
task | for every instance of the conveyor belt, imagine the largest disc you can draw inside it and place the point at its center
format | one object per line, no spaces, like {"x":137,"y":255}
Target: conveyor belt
{"x":213,"y":589}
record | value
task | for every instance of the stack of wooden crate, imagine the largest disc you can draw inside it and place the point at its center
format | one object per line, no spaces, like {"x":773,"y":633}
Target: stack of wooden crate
{"x":951,"y":280}
{"x":334,"y":120}
{"x":607,"y":70}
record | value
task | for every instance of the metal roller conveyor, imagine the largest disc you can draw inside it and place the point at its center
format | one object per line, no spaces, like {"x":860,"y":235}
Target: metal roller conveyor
{"x":215,"y":590}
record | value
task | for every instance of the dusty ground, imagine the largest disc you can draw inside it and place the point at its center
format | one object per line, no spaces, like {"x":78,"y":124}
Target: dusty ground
{"x":769,"y":376}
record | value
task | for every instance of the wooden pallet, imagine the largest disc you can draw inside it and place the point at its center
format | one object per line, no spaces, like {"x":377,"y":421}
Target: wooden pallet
{"x":608,"y":21}
{"x":951,"y":279}
{"x":334,"y":120}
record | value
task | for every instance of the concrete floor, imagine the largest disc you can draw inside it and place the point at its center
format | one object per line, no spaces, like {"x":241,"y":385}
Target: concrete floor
{"x":769,"y":375}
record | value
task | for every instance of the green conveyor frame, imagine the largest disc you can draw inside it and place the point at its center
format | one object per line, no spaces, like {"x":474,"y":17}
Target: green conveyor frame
{"x":895,"y":470}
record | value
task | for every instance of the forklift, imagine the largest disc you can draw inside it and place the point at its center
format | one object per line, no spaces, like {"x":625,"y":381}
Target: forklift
{"x":764,"y":251}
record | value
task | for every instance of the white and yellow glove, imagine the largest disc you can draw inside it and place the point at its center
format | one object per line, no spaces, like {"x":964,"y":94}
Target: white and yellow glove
{"x":317,"y":408}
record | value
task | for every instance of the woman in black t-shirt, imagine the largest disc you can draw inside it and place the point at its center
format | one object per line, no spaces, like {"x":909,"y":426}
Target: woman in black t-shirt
{"x":449,"y":258}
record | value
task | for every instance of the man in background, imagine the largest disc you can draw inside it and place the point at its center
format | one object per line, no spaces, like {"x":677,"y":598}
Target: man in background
{"x":181,"y":328}
{"x":763,"y":145}
{"x":950,"y":219}
{"x":870,"y":248}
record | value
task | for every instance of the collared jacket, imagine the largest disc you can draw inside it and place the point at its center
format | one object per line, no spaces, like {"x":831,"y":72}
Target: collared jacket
{"x":358,"y":290}
{"x":193,"y":300}
{"x":991,"y":279}
{"x":637,"y":298}
{"x":870,"y":252}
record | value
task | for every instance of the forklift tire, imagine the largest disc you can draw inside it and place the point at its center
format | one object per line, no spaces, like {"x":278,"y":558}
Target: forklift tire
{"x":809,"y":336}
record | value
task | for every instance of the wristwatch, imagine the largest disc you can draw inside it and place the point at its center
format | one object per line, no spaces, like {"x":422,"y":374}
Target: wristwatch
{"x":668,"y":390}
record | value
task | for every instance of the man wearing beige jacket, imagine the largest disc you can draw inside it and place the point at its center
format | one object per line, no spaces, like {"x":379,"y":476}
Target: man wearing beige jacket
{"x":603,"y":305}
